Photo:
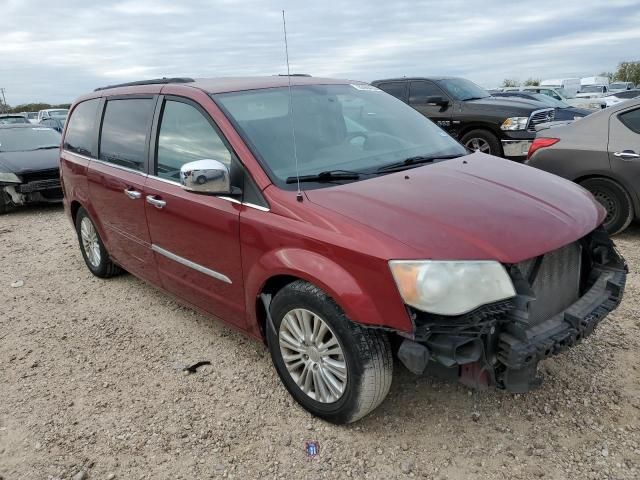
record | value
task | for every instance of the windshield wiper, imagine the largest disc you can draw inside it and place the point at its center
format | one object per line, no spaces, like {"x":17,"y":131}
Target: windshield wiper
{"x":326,"y":176}
{"x":414,"y":161}
{"x":474,"y":98}
{"x":47,"y":147}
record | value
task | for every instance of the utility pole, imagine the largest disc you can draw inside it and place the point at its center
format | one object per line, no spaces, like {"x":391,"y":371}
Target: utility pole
{"x":4,"y":101}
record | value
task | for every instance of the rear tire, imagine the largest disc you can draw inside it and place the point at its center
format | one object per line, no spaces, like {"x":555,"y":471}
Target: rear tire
{"x":364,"y":353}
{"x":6,"y":205}
{"x":93,"y":251}
{"x":615,"y":199}
{"x":483,"y":141}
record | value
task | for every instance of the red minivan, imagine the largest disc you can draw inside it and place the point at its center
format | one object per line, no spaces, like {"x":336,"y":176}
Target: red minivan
{"x":341,"y":227}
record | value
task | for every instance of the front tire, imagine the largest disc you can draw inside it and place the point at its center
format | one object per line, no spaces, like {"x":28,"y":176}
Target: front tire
{"x":334,"y":368}
{"x":482,"y":141}
{"x":615,"y":199}
{"x":92,"y":248}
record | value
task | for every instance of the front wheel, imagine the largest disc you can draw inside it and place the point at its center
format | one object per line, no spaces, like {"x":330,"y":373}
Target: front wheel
{"x":616,"y":201}
{"x":482,"y":141}
{"x":334,"y":368}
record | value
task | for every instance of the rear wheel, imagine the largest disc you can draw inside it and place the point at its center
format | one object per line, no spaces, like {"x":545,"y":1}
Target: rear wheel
{"x":334,"y":368}
{"x":92,"y":248}
{"x":482,"y":141}
{"x":615,"y":199}
{"x":5,"y":202}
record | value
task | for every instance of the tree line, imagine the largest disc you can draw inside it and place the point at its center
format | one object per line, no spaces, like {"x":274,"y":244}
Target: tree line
{"x":30,"y":107}
{"x":626,"y":72}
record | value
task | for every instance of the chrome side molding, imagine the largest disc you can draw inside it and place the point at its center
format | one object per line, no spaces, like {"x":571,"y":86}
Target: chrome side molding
{"x":190,"y":264}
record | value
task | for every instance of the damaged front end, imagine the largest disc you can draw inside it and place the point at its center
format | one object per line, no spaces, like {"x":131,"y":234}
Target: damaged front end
{"x":561,"y":296}
{"x":31,"y":187}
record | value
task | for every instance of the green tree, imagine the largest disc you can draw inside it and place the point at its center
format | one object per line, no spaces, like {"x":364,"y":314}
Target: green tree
{"x":510,"y":82}
{"x":628,"y":72}
{"x":532,"y":82}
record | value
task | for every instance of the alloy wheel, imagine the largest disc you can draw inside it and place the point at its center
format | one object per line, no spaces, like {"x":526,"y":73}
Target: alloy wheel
{"x":313,"y":355}
{"x":90,"y":242}
{"x":478,"y":145}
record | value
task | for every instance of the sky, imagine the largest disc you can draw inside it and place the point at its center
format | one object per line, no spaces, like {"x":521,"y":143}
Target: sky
{"x":55,"y":51}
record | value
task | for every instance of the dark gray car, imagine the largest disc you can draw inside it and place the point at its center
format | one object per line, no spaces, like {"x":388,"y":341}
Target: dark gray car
{"x":29,"y":165}
{"x":601,"y":152}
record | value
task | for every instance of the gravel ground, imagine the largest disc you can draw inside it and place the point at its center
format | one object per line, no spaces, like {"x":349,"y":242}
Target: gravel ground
{"x":91,"y":387}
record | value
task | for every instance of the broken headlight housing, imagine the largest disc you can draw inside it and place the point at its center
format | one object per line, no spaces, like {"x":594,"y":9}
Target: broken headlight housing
{"x":451,"y":287}
{"x":6,"y":177}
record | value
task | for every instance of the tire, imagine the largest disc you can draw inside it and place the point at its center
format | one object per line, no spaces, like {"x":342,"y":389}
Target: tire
{"x":5,"y":202}
{"x":366,"y":355}
{"x":615,"y":199}
{"x":94,"y":254}
{"x":484,"y":139}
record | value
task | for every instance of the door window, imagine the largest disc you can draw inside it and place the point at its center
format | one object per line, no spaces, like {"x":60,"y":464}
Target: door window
{"x":123,"y":140}
{"x":419,"y":91}
{"x":186,"y":135}
{"x":631,"y":120}
{"x":397,"y":89}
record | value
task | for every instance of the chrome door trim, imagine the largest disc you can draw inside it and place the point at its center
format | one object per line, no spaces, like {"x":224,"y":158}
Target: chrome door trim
{"x":114,"y":165}
{"x":190,"y":264}
{"x":627,"y":155}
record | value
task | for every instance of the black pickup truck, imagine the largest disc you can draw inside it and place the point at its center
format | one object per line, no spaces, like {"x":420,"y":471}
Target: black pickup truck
{"x":496,"y":126}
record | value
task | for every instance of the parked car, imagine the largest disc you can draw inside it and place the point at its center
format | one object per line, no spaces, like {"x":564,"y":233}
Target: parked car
{"x":59,"y":113}
{"x":341,"y":220}
{"x":571,"y":86}
{"x":495,"y":126}
{"x":621,"y":86}
{"x":28,"y":165}
{"x":560,"y":94}
{"x":592,"y":91}
{"x":595,"y":80}
{"x":31,"y":116}
{"x":620,"y":96}
{"x":563,"y":111}
{"x":54,"y":122}
{"x":12,"y":118}
{"x":601,"y":152}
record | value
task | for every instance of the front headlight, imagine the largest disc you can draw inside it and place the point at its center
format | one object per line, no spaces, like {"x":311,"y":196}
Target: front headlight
{"x":596,"y":105}
{"x":9,"y":178}
{"x":515,"y":123}
{"x":451,"y":287}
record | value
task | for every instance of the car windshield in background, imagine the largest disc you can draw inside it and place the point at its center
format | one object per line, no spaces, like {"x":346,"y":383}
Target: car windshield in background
{"x":13,"y":120}
{"x":590,"y":89}
{"x":462,"y":89}
{"x":353,"y":129}
{"x":618,"y":86}
{"x":58,"y":113}
{"x":26,"y":139}
{"x":549,"y":101}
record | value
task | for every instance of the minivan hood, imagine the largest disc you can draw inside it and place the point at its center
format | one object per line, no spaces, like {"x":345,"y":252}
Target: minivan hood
{"x":472,"y":207}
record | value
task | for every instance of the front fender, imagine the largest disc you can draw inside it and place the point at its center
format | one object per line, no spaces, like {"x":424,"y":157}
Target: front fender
{"x":359,"y":304}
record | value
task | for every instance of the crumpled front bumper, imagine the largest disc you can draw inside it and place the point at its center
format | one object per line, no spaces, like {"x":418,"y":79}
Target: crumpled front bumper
{"x":521,"y":354}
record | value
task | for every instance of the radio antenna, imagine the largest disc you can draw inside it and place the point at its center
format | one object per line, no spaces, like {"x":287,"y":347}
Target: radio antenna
{"x":299,"y":196}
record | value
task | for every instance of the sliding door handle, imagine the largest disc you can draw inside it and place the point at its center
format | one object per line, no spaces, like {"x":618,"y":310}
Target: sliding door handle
{"x":156,"y":202}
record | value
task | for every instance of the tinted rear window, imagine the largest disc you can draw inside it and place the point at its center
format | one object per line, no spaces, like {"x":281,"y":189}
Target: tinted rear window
{"x":631,"y":120}
{"x":81,"y":132}
{"x":397,"y":89}
{"x":123,"y":140}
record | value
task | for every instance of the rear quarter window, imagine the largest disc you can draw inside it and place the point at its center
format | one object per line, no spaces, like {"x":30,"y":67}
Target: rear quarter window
{"x":81,"y":133}
{"x":631,"y":119}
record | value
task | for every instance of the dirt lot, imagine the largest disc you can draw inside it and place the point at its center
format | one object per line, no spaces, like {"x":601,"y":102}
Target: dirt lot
{"x":91,"y":387}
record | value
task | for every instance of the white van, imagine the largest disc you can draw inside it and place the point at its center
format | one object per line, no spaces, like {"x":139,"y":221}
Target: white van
{"x":570,"y":85}
{"x":597,"y":80}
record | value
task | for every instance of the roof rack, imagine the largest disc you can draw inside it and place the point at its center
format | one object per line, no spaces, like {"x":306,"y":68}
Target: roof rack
{"x":153,"y":81}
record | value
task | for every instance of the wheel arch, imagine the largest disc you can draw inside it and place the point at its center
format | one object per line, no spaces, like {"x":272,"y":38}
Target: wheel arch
{"x":635,"y":201}
{"x":275,"y":270}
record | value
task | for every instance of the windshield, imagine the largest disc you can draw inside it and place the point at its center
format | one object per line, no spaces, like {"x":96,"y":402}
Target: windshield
{"x":25,"y":139}
{"x":12,"y":120}
{"x":462,"y":89}
{"x":59,"y":114}
{"x":549,"y":101}
{"x":357,"y":128}
{"x":590,"y":89}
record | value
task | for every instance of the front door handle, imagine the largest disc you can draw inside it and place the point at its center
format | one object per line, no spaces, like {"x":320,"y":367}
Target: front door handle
{"x":156,"y":202}
{"x":627,"y":154}
{"x":132,"y":194}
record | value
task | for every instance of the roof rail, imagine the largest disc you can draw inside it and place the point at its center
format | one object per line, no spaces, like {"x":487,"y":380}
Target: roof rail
{"x":153,"y":81}
{"x":294,"y":75}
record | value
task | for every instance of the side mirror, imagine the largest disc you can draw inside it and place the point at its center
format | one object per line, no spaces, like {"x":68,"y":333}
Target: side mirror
{"x":206,"y":176}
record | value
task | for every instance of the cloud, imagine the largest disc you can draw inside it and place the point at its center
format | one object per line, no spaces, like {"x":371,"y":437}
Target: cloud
{"x":57,"y":51}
